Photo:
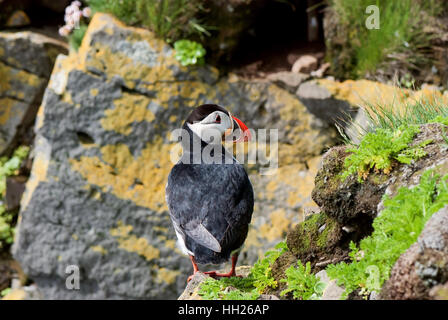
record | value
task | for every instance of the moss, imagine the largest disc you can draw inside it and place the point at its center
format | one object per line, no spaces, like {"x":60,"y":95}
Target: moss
{"x":316,"y":234}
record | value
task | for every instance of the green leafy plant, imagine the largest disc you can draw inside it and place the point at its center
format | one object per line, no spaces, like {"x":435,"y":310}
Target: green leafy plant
{"x":189,"y":52}
{"x":395,"y":230}
{"x":302,"y":283}
{"x":4,"y":292}
{"x":9,"y":167}
{"x":378,"y":149}
{"x":248,"y":288}
{"x":243,"y":289}
{"x":75,"y":38}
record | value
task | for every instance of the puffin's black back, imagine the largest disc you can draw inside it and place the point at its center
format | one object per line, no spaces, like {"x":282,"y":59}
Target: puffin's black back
{"x":218,"y":196}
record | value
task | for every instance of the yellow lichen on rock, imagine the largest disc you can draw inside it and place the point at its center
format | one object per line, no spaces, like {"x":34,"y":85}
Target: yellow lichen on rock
{"x":165,"y":275}
{"x":140,"y":179}
{"x":99,"y":249}
{"x":277,"y":227}
{"x":132,"y":243}
{"x":38,"y":171}
{"x":128,"y":109}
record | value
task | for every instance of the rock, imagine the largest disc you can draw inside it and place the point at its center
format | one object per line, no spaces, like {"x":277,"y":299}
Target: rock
{"x":15,"y":186}
{"x":320,"y":102}
{"x":439,"y":292}
{"x":287,"y":80}
{"x":191,"y":291}
{"x":319,"y":73}
{"x":314,"y":238}
{"x":332,"y":291}
{"x":26,"y":61}
{"x":424,"y":265}
{"x":18,"y":19}
{"x":305,"y":64}
{"x":24,"y":293}
{"x":96,"y":195}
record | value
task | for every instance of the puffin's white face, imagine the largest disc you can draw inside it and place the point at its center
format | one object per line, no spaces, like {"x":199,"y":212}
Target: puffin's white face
{"x":213,"y":127}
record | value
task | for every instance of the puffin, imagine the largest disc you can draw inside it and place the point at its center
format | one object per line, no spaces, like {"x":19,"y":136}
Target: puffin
{"x":209,"y":195}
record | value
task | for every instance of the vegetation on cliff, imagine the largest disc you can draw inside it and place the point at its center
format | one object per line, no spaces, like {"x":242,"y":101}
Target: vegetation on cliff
{"x":9,"y":167}
{"x":395,"y":230}
{"x":399,"y":39}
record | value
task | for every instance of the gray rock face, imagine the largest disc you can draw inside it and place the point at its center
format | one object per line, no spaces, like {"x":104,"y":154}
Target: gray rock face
{"x":96,"y":196}
{"x":26,"y":61}
{"x":322,"y":103}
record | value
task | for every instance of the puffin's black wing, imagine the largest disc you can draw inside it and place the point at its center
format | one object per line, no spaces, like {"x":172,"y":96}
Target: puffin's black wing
{"x":211,"y":204}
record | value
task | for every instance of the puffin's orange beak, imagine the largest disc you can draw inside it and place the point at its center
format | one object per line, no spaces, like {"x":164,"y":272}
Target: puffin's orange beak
{"x":245,"y":133}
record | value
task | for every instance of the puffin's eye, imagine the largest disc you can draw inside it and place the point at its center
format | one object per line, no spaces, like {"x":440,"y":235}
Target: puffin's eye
{"x":218,"y":119}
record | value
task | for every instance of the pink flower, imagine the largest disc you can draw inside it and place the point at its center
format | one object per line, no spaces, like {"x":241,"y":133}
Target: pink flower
{"x":76,"y":3}
{"x":64,"y":31}
{"x":86,"y":12}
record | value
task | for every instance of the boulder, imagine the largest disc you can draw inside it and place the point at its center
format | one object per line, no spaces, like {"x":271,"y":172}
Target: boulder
{"x":424,"y":265}
{"x":305,"y":64}
{"x":26,"y":61}
{"x":96,"y":196}
{"x":193,"y":287}
{"x":288,"y":80}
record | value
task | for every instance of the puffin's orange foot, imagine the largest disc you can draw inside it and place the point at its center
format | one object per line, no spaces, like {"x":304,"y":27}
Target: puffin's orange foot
{"x":214,"y":274}
{"x":190,"y":277}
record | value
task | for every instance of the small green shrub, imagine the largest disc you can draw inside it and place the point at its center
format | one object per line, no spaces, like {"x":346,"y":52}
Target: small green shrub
{"x":9,"y":167}
{"x":248,"y":288}
{"x":395,"y":230}
{"x":378,"y":149}
{"x":302,"y":283}
{"x":4,"y":292}
{"x":75,"y":38}
{"x":189,"y":52}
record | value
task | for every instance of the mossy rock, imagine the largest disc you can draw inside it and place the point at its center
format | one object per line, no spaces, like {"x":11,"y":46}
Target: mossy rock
{"x":319,"y":233}
{"x":347,"y":201}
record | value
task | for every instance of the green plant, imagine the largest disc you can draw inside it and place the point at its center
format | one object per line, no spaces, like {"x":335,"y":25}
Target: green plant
{"x":212,"y":289}
{"x":378,"y":149}
{"x":189,"y":52}
{"x":75,"y":38}
{"x":6,"y":229}
{"x":302,"y":283}
{"x":9,"y":167}
{"x":4,"y":292}
{"x":248,"y":288}
{"x":399,"y":39}
{"x":395,"y":230}
{"x":169,"y":19}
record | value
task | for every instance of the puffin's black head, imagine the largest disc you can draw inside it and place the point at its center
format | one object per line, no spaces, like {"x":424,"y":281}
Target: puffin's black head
{"x":209,"y":117}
